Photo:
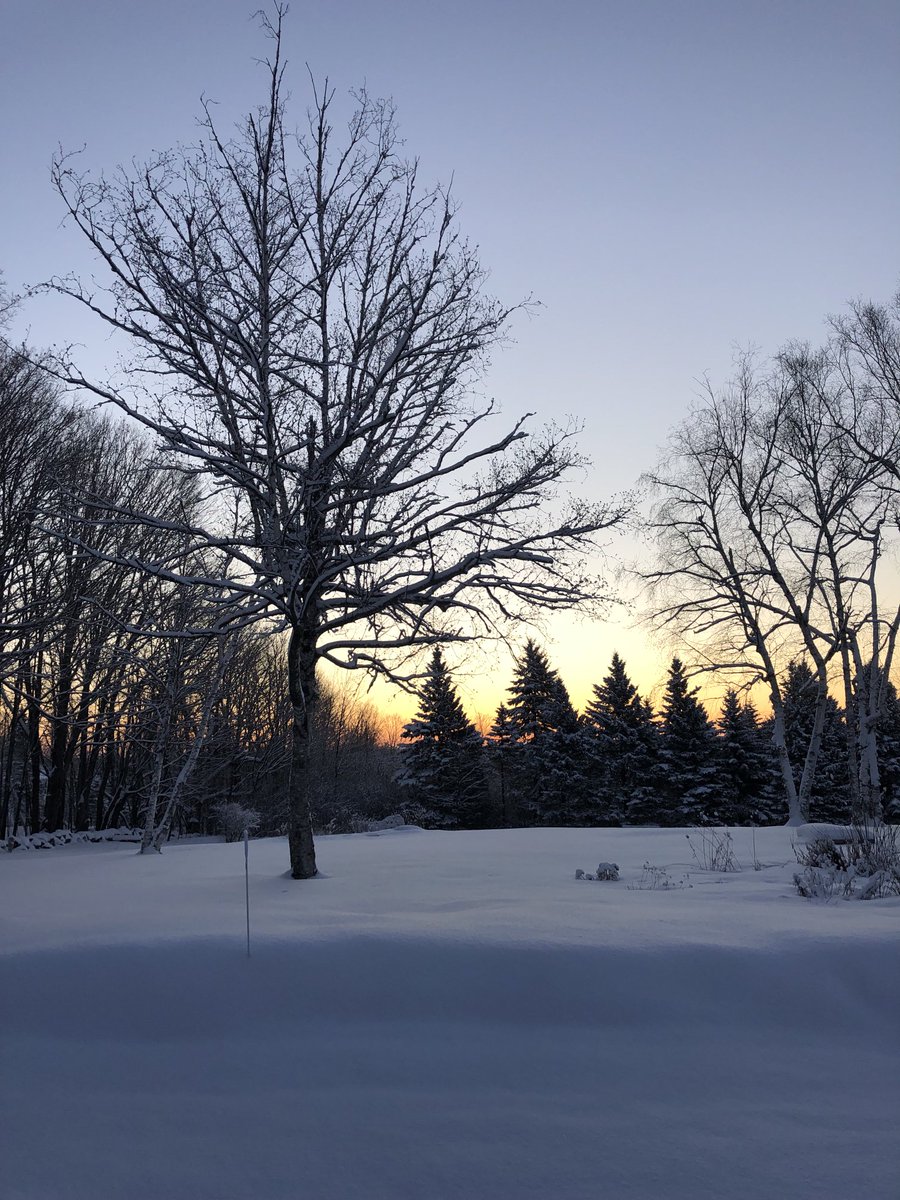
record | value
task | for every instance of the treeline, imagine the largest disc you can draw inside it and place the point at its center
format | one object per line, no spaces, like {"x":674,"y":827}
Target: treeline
{"x":120,"y":704}
{"x":619,"y":762}
{"x":128,"y":696}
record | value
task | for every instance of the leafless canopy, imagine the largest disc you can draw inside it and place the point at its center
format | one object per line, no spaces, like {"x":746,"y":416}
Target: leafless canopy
{"x":309,"y":328}
{"x":777,"y":506}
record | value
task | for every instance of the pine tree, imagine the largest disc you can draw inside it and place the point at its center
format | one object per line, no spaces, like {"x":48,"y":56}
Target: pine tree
{"x":745,"y":764}
{"x":622,"y":741}
{"x":688,"y":766}
{"x":550,"y":776}
{"x":443,"y":767}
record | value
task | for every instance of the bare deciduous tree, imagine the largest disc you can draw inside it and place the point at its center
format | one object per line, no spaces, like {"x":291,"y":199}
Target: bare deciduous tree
{"x":772,"y":528}
{"x":843,"y":501}
{"x":310,"y":328}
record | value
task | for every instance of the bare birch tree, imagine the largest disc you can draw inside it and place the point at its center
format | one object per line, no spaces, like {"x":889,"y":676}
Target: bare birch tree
{"x":772,"y":527}
{"x":309,"y":330}
{"x":845,"y":499}
{"x":191,"y":673}
{"x":719,"y":579}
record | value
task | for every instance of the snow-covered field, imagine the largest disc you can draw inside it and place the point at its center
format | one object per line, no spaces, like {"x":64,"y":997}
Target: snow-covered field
{"x":443,"y":1015}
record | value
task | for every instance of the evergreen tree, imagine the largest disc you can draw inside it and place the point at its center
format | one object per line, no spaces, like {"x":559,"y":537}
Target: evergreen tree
{"x":550,"y":776}
{"x":887,"y":737}
{"x":830,"y":794}
{"x":622,"y":742}
{"x":744,"y":764}
{"x":443,"y":765}
{"x":503,"y":750}
{"x":887,"y":745}
{"x":688,"y":760}
{"x":539,"y":702}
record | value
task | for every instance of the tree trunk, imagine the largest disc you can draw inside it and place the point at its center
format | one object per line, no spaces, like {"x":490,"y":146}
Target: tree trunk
{"x":57,"y":775}
{"x":161,"y":832}
{"x":10,"y":760}
{"x":304,"y":694}
{"x":100,"y":799}
{"x":856,"y":739}
{"x":871,"y":804}
{"x":55,"y":799}
{"x":158,"y":759}
{"x":20,"y":799}
{"x":34,"y":747}
{"x":815,"y":746}
{"x":795,"y":813}
{"x":867,"y":797}
{"x":166,"y":719}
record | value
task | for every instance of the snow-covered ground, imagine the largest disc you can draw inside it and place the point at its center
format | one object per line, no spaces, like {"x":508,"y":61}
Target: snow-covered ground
{"x":443,"y":1015}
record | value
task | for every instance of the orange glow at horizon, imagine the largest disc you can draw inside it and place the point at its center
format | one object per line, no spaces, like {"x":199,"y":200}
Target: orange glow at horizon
{"x":578,"y":649}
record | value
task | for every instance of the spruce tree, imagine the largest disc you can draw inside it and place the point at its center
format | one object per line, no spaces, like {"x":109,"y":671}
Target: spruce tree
{"x":550,"y":777}
{"x":622,"y":743}
{"x":883,"y":800}
{"x":443,"y":768}
{"x":688,"y":768}
{"x":539,"y":702}
{"x":830,"y":794}
{"x":745,"y":764}
{"x":887,"y":737}
{"x":503,"y":750}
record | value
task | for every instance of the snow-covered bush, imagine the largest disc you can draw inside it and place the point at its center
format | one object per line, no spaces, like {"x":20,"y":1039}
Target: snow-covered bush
{"x":713,"y":849}
{"x":357,"y":823}
{"x":606,"y":872}
{"x":234,"y":818}
{"x":820,"y":883}
{"x":360,"y":820}
{"x":854,"y":862}
{"x":394,"y":821}
{"x":414,"y":813}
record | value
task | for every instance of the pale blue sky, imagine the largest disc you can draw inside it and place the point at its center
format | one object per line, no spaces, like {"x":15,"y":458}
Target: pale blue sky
{"x":669,"y":179}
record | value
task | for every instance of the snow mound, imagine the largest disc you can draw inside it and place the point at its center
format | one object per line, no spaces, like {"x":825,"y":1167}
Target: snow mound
{"x":65,"y":837}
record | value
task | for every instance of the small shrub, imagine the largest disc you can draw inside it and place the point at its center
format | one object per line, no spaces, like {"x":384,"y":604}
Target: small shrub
{"x":756,"y":861}
{"x":819,"y":883}
{"x":414,"y":813}
{"x":713,"y":850}
{"x":658,"y":879}
{"x":606,"y":872}
{"x":351,"y":820}
{"x":394,"y":821}
{"x":863,"y":865}
{"x":344,"y":820}
{"x":821,"y":854}
{"x":233,"y":819}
